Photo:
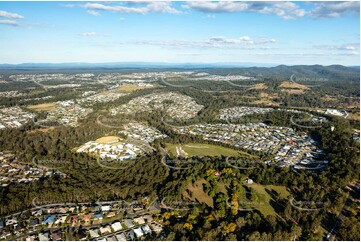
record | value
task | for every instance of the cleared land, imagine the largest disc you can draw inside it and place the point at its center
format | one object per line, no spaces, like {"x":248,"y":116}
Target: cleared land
{"x":131,"y":88}
{"x":198,"y":149}
{"x":293,"y":88}
{"x":331,"y":99}
{"x":264,"y":102}
{"x":196,"y":193}
{"x":45,"y":107}
{"x":293,"y":85}
{"x":262,"y":199}
{"x":44,"y":130}
{"x":293,"y":91}
{"x":259,"y":86}
{"x":355,"y":116}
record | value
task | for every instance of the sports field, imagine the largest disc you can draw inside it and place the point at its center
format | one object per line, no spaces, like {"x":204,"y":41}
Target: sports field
{"x":107,"y":139}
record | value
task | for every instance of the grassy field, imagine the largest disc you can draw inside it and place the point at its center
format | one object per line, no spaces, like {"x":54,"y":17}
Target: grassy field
{"x":107,"y":139}
{"x":45,"y":107}
{"x":131,"y":88}
{"x":263,"y":198}
{"x":261,"y":201}
{"x":198,"y":149}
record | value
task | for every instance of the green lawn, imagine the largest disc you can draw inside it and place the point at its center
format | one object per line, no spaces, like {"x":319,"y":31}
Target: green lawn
{"x":198,"y":149}
{"x":263,"y":198}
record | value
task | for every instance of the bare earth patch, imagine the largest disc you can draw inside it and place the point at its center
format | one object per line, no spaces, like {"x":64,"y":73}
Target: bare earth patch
{"x":293,"y":91}
{"x":44,"y":107}
{"x":292,"y":85}
{"x":198,"y":194}
{"x":265,"y":102}
{"x":259,"y":86}
{"x":264,"y":95}
{"x":328,"y":99}
{"x":44,"y":130}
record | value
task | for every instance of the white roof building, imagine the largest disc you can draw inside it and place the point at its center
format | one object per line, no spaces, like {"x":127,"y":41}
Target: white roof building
{"x":116,"y":226}
{"x":139,"y":220}
{"x":105,"y":208}
{"x":138,"y":232}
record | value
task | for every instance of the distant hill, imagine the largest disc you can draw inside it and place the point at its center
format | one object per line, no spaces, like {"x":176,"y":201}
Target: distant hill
{"x":284,"y":72}
{"x":112,"y":65}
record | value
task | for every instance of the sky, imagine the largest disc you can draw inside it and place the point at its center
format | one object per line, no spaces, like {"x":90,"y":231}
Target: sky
{"x":281,"y":32}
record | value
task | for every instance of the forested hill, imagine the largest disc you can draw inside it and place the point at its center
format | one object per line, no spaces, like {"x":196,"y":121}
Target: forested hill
{"x":332,"y":73}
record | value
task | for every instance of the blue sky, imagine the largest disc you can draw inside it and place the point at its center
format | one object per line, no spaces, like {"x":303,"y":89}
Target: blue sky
{"x":261,"y":32}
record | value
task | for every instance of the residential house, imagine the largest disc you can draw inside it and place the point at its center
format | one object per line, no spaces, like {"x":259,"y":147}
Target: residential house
{"x":146,"y":229}
{"x":61,"y":220}
{"x":157,"y":228}
{"x":94,"y":233}
{"x":128,"y":223}
{"x":138,"y":232}
{"x":105,"y":208}
{"x":33,"y":222}
{"x":56,"y":237}
{"x":49,"y":220}
{"x":121,"y":237}
{"x":112,"y":238}
{"x":73,"y":219}
{"x":98,"y":216}
{"x":87,"y":217}
{"x":105,"y":230}
{"x":139,"y":220}
{"x":110,"y":214}
{"x":130,"y":235}
{"x":32,"y":237}
{"x":12,"y":221}
{"x":116,"y":226}
{"x":44,"y":237}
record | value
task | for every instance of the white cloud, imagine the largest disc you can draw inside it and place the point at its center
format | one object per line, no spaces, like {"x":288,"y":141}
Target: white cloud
{"x":335,"y":9}
{"x":343,"y":47}
{"x":10,"y":15}
{"x":93,"y":12}
{"x":68,"y":5}
{"x":285,"y":10}
{"x":243,"y":42}
{"x":160,"y":7}
{"x":9,"y":22}
{"x":89,"y":34}
{"x":349,"y":47}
